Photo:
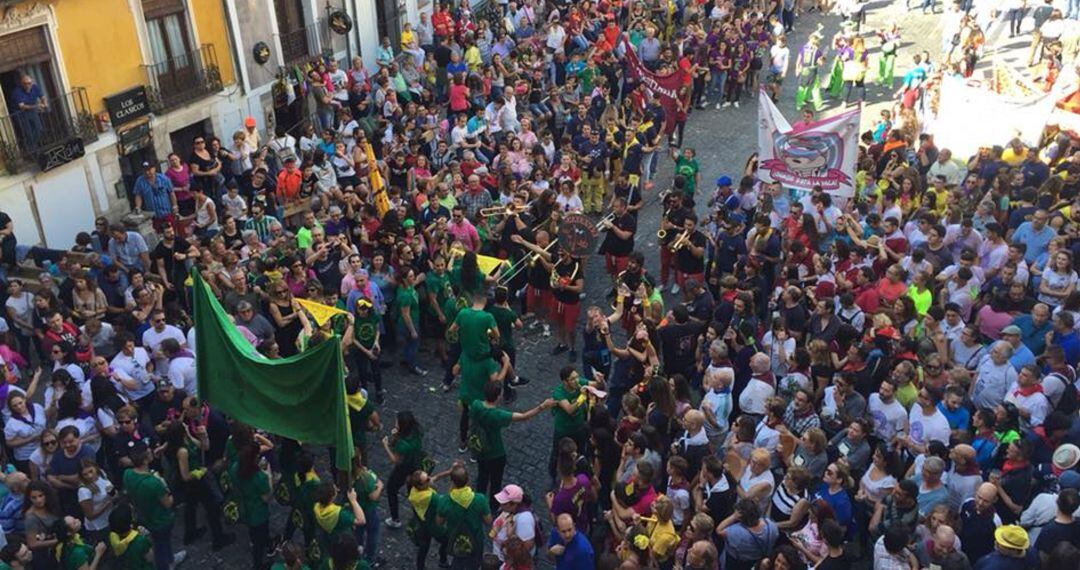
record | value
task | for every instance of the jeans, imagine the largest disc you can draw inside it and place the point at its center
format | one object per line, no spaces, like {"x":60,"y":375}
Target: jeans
{"x":326,"y":118}
{"x":259,"y":536}
{"x":1016,"y":18}
{"x":412,"y":346}
{"x":367,"y":369}
{"x":393,"y":485}
{"x":163,"y":553}
{"x":489,"y":476}
{"x":719,"y":79}
{"x":1073,"y":10}
{"x":368,"y":535}
{"x":198,"y":491}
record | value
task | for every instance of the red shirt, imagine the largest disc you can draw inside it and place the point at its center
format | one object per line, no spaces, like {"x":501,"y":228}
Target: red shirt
{"x":288,"y":184}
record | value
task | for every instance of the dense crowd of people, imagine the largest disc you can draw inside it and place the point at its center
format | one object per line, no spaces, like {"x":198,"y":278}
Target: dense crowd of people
{"x":804,"y":380}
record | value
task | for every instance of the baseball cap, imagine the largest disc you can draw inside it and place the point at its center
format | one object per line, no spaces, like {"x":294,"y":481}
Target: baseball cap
{"x":510,"y":494}
{"x":249,"y":122}
{"x":1012,"y":537}
{"x":1069,"y":480}
{"x":408,"y":223}
{"x":1011,"y":329}
{"x":724,"y":180}
{"x":363,"y":302}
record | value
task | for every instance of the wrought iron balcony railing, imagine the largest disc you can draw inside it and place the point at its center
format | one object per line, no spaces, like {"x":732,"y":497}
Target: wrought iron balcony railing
{"x":26,"y":135}
{"x":182,"y":79}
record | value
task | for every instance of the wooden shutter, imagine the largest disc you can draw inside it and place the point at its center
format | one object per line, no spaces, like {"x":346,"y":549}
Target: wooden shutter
{"x":160,"y":8}
{"x":23,"y":47}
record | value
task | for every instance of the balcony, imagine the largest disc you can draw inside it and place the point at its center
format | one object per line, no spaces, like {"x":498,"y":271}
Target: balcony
{"x":25,"y":136}
{"x":303,"y":44}
{"x":180,"y":80}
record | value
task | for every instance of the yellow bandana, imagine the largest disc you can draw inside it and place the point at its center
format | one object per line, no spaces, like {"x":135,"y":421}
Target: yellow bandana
{"x":120,"y":545}
{"x":420,"y":499}
{"x":463,"y":496}
{"x":327,"y":516}
{"x":355,"y":401}
{"x":309,"y":476}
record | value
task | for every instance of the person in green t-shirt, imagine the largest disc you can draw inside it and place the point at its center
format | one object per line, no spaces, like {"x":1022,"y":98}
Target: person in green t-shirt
{"x":405,"y":448}
{"x":687,"y":166}
{"x":408,"y":308}
{"x":332,"y":519}
{"x":366,"y":348}
{"x":153,"y":506}
{"x":251,"y":488}
{"x":474,"y":327}
{"x":130,"y":548}
{"x":368,"y":492}
{"x":465,"y":513}
{"x":570,"y":409}
{"x":487,"y":422}
{"x":437,"y":291}
{"x":71,"y":551}
{"x":507,"y":320}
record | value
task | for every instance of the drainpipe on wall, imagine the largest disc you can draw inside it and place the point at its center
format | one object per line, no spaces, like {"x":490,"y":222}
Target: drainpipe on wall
{"x":234,"y":44}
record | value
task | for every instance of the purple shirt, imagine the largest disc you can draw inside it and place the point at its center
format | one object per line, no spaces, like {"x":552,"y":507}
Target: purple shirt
{"x":571,"y":500}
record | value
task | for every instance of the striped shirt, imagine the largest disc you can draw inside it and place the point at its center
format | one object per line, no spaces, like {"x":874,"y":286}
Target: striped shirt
{"x":261,"y":227}
{"x":155,"y":194}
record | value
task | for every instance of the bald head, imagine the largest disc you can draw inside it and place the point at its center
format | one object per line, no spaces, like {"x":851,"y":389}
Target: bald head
{"x":702,"y":554}
{"x":985,"y":497}
{"x":565,"y":524}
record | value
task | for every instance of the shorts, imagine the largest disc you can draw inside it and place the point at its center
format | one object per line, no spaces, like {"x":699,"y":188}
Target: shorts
{"x":616,"y":265}
{"x":773,"y":77}
{"x":565,"y":315}
{"x":537,"y":300}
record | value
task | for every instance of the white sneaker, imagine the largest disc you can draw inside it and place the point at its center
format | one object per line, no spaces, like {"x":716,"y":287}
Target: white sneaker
{"x":547,"y":330}
{"x":718,"y":105}
{"x":727,"y":104}
{"x":736,"y":104}
{"x":178,"y":558}
{"x":674,"y":288}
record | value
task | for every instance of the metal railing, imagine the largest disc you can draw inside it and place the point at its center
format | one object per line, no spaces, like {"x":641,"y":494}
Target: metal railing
{"x":305,"y":43}
{"x":24,"y":135}
{"x":182,"y":79}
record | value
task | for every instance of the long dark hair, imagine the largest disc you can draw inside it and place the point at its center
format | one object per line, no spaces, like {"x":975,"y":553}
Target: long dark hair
{"x":247,"y":461}
{"x":470,"y":271}
{"x":407,"y":424}
{"x":104,"y":394}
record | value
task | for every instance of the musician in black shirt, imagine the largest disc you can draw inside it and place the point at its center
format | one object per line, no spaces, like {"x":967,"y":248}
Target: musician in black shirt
{"x":689,"y":249}
{"x":619,"y":241}
{"x":567,"y":283}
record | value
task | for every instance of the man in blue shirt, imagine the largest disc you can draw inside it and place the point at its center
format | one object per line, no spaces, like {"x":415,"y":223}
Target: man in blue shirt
{"x":1065,"y":336}
{"x":29,"y":103}
{"x":1036,"y":234}
{"x":155,"y":191}
{"x":1021,"y":353}
{"x":129,"y":248}
{"x":1033,"y":327}
{"x":570,"y":547}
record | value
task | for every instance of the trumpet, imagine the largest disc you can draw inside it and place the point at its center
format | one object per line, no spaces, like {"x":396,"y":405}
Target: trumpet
{"x":661,"y":234}
{"x":506,"y":210}
{"x":605,"y":221}
{"x":680,"y":242}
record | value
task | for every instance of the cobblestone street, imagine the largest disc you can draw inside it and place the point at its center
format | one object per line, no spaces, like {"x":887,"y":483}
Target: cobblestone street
{"x":723,"y":139}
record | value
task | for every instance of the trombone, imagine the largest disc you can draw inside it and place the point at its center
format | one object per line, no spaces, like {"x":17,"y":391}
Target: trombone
{"x":526,"y":261}
{"x":506,"y":210}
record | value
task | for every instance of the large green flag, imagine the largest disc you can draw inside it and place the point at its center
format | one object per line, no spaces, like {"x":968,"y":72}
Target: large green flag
{"x":301,"y":397}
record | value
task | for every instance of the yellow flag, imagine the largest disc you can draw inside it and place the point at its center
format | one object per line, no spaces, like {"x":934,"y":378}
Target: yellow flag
{"x":320,"y":312}
{"x":488,"y":264}
{"x":378,"y":188}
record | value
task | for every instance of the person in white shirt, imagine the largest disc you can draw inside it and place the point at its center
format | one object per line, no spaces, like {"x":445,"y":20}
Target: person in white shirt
{"x":159,"y":331}
{"x":889,"y":416}
{"x":925,"y":423}
{"x":945,"y":166}
{"x":130,"y":369}
{"x":993,"y":377}
{"x":1026,"y":393}
{"x":181,"y":366}
{"x":513,"y":521}
{"x":757,"y":481}
{"x":755,"y":396}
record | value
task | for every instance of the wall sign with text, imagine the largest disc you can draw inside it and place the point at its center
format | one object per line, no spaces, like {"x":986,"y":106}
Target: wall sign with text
{"x":127,"y":106}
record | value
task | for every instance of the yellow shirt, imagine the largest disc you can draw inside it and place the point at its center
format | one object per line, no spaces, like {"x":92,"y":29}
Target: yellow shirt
{"x":1012,"y":158}
{"x":662,"y":540}
{"x":407,"y":38}
{"x":473,"y":59}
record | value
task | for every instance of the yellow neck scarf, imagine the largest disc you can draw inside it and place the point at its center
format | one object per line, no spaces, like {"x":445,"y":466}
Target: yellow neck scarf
{"x":120,"y":544}
{"x":327,"y":516}
{"x":309,"y":476}
{"x":463,"y":496}
{"x":356,"y":401}
{"x":420,"y":499}
{"x":74,"y":541}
